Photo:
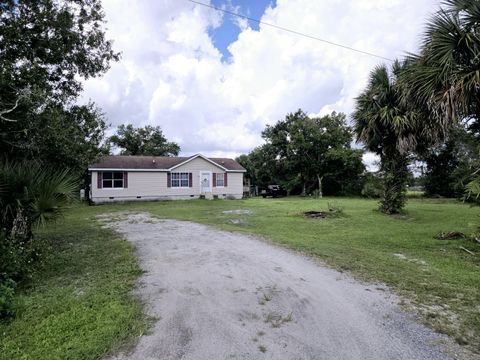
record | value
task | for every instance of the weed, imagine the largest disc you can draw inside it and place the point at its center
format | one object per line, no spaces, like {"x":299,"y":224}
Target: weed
{"x":277,"y":320}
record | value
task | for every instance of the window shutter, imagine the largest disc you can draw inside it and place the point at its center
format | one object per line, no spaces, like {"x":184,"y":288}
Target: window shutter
{"x":214,"y":179}
{"x":169,"y":180}
{"x":99,"y":179}
{"x":225,"y":180}
{"x":125,"y":179}
{"x":190,"y":178}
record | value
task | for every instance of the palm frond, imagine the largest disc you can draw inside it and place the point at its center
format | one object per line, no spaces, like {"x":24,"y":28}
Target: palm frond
{"x":42,"y":192}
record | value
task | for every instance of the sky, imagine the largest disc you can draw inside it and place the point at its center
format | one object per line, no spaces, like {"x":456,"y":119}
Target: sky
{"x":212,"y":81}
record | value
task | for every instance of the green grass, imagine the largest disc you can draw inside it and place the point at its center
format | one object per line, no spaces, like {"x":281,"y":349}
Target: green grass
{"x":79,"y":304}
{"x":439,"y":278}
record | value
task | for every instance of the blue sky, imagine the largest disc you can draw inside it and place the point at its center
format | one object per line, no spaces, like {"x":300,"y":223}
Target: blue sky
{"x":228,"y":32}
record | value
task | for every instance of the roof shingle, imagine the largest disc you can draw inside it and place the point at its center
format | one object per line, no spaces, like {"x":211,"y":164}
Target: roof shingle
{"x":155,"y":162}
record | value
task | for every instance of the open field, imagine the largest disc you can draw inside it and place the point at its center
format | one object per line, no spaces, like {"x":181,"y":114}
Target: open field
{"x":79,"y":304}
{"x":439,"y":278}
{"x":84,"y":289}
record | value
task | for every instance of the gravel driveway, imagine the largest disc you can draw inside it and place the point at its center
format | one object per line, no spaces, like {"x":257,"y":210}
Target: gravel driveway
{"x":222,"y":295}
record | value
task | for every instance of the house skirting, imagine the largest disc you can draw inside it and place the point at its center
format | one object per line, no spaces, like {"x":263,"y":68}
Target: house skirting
{"x":110,"y":199}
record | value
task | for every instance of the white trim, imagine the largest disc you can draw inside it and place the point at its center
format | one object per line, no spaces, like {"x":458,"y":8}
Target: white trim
{"x":113,"y":181}
{"x":210,"y":181}
{"x":151,"y":170}
{"x":216,"y":180}
{"x":189,"y":174}
{"x":197,"y":156}
{"x":126,"y":169}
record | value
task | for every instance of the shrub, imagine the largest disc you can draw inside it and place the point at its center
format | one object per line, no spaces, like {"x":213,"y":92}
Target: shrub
{"x":7,"y":292}
{"x":373,"y":188}
{"x":31,"y":195}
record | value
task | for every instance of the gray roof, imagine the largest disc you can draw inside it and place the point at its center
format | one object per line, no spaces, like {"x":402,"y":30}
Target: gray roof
{"x":156,"y":162}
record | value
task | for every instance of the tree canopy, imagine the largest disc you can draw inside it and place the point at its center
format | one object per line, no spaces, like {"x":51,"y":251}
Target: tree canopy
{"x":444,"y":75}
{"x":148,"y":140}
{"x":47,"y":48}
{"x":304,"y":154}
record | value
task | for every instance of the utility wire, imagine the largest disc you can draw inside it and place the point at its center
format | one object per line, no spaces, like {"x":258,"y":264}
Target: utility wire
{"x":290,"y":31}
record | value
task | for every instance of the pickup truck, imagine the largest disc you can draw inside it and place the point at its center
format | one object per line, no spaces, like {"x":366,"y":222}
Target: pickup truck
{"x":273,"y":191}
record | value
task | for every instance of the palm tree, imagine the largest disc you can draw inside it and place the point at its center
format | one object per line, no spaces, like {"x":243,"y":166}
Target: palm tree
{"x":30,"y":195}
{"x":444,"y":77}
{"x":387,"y":126}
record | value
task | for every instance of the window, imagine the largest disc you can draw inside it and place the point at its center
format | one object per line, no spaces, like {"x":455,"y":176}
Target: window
{"x":112,"y":179}
{"x":180,"y":180}
{"x":220,"y":180}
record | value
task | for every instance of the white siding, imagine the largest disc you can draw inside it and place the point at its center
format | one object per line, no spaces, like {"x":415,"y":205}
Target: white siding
{"x":150,"y":185}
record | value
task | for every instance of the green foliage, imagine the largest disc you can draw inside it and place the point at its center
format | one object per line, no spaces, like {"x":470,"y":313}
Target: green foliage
{"x":48,"y":48}
{"x":70,"y":138}
{"x":79,"y":304}
{"x":46,"y":44}
{"x":472,"y":189}
{"x":7,"y":292}
{"x":19,"y":257}
{"x":444,"y":76}
{"x":143,"y":141}
{"x":439,"y":179}
{"x":305,"y":154}
{"x":450,"y":165}
{"x":373,"y":187}
{"x":31,"y":195}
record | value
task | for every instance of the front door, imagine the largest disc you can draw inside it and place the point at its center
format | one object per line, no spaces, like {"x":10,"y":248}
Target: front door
{"x":205,"y":182}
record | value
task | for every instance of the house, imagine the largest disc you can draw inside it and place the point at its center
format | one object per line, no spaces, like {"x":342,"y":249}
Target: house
{"x":126,"y":178}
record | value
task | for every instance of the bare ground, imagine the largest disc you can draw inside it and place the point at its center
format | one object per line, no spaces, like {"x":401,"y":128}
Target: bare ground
{"x":222,"y":295}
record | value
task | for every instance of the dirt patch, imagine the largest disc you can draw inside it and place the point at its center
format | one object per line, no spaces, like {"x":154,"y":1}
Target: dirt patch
{"x":237,"y":212}
{"x":315,"y":214}
{"x":450,"y":235}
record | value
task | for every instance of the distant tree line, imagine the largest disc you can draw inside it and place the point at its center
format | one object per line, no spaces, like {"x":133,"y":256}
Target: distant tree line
{"x":307,"y":155}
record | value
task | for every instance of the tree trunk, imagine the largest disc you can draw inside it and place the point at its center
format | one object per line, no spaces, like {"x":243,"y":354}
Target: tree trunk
{"x":395,"y":177}
{"x":320,"y":190}
{"x":21,"y":231}
{"x":304,"y":189}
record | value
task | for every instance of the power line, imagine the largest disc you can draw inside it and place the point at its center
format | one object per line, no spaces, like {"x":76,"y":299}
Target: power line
{"x":290,"y":31}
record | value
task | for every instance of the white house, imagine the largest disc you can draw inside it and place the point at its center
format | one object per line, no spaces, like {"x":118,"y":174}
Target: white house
{"x":126,"y":178}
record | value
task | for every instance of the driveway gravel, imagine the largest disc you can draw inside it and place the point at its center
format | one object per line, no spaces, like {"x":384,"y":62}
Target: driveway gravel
{"x":223,"y":295}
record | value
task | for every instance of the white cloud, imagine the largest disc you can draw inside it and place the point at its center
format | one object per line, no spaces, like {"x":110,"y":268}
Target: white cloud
{"x":371,"y":161}
{"x":172,"y":75}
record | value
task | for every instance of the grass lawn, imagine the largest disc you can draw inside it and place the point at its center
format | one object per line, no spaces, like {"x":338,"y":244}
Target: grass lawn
{"x":78,"y":305}
{"x":442,"y":280}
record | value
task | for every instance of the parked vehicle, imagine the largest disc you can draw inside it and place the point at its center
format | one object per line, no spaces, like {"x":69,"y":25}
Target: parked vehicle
{"x":273,"y":191}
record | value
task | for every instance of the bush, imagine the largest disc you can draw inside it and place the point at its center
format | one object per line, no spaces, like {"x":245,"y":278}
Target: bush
{"x":373,"y":188}
{"x":17,"y":258}
{"x":7,"y":292}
